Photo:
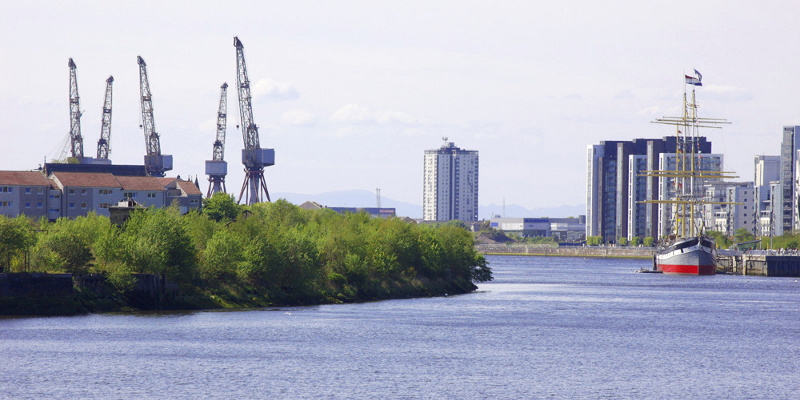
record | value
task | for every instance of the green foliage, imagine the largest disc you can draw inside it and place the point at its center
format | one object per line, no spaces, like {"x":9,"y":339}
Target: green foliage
{"x":723,"y":242}
{"x":742,"y":235}
{"x":786,"y":241}
{"x":594,"y":240}
{"x":635,"y":241}
{"x":623,"y":241}
{"x":648,"y":241}
{"x":223,"y":256}
{"x":274,"y":253}
{"x":221,"y":207}
{"x":16,"y":237}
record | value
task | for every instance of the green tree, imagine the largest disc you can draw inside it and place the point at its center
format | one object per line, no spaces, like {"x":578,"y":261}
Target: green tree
{"x":742,"y":235}
{"x":648,"y":241}
{"x":223,"y":256}
{"x":221,"y":206}
{"x":16,"y":237}
{"x":623,"y":241}
{"x":594,"y":240}
{"x":155,"y":241}
{"x":71,"y":249}
{"x":722,"y":241}
{"x":635,"y":241}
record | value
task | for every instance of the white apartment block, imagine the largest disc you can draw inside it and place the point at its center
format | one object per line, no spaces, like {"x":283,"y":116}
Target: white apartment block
{"x":767,"y":173}
{"x":734,"y":210}
{"x":450,"y":184}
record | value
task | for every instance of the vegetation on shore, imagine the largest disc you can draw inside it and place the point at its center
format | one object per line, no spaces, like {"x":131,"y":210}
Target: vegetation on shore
{"x":249,"y":256}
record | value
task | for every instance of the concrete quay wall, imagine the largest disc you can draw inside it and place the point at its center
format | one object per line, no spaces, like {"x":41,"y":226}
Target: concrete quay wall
{"x":760,"y":264}
{"x":589,"y":251}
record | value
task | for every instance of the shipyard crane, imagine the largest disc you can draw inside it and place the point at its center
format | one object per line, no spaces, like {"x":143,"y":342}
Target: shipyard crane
{"x":254,"y":157}
{"x":104,"y":143}
{"x":155,"y":163}
{"x":76,"y":140}
{"x":217,"y":167}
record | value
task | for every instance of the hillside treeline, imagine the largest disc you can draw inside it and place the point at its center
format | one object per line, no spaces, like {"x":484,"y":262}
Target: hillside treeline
{"x":266,"y":254}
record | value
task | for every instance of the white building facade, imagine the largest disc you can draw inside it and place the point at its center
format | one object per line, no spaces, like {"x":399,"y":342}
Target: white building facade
{"x":450,"y":184}
{"x":668,"y":186}
{"x":766,"y":172}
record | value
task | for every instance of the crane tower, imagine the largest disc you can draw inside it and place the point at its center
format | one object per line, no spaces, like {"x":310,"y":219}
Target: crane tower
{"x":217,"y":167}
{"x":155,"y":163}
{"x":254,"y":157}
{"x":76,"y":140}
{"x":104,"y":143}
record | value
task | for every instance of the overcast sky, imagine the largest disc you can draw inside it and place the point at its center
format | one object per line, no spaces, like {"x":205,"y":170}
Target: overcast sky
{"x":351,"y":93}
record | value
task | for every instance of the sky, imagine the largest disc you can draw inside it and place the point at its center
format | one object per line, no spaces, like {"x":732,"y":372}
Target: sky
{"x":351,"y":93}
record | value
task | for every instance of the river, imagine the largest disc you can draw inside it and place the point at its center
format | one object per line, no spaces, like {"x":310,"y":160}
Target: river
{"x":546,"y":327}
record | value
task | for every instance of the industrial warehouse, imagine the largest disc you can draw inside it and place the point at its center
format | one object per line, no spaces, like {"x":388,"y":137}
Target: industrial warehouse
{"x":76,"y":184}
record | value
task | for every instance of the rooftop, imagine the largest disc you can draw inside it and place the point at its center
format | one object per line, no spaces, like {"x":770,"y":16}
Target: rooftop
{"x":23,"y":178}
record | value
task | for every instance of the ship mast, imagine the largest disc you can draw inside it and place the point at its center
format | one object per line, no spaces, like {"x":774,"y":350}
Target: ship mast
{"x":688,"y":172}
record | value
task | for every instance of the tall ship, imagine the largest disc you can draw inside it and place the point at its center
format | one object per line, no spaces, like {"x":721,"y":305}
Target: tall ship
{"x":687,"y":249}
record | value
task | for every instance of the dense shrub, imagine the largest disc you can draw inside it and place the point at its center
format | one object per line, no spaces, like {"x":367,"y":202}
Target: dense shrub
{"x":273,"y":251}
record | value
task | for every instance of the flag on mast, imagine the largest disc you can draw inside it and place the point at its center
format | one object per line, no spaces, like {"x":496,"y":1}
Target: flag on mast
{"x":690,"y":80}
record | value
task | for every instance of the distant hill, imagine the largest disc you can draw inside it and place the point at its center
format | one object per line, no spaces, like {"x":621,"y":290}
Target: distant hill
{"x":366,"y":198}
{"x":515,"y":211}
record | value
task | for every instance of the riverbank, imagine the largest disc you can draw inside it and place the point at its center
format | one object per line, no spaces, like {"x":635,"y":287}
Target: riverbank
{"x":264,"y":255}
{"x":589,"y":251}
{"x":79,"y":298}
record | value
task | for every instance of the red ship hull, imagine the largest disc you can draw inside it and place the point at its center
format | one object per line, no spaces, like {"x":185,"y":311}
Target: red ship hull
{"x":688,"y":269}
{"x":688,"y":256}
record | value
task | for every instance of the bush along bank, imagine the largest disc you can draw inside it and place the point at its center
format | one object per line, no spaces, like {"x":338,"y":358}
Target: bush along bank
{"x":232,"y":256}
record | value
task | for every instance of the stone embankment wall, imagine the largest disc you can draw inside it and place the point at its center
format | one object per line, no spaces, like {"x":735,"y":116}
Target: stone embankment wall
{"x":149,"y":290}
{"x":26,"y":284}
{"x":589,"y":251}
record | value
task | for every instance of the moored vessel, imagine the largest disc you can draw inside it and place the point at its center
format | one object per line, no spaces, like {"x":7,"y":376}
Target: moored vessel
{"x":688,"y":256}
{"x":687,"y":249}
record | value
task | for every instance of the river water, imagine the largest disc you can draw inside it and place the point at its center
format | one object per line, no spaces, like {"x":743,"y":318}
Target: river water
{"x":544,"y":328}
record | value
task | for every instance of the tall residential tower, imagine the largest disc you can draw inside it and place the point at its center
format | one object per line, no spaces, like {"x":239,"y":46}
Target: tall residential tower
{"x":450,"y":184}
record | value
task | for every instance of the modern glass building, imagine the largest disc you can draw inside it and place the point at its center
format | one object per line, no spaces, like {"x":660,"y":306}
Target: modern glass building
{"x":615,"y":191}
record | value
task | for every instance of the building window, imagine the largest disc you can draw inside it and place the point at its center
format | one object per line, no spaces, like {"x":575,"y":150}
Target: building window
{"x":27,"y":190}
{"x":40,"y":191}
{"x":71,"y":205}
{"x":39,"y":205}
{"x":27,"y":204}
{"x":83,"y":191}
{"x":72,"y":191}
{"x":151,"y":195}
{"x":5,"y":204}
{"x":83,"y":205}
